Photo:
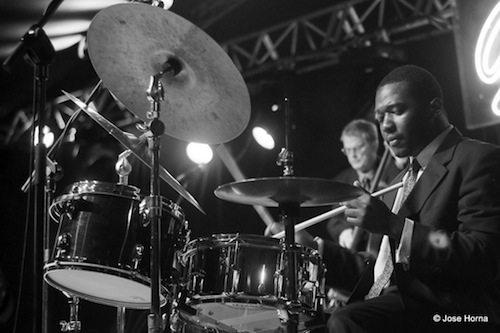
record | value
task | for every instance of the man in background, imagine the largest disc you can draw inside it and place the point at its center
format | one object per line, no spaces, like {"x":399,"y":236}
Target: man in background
{"x":361,"y":145}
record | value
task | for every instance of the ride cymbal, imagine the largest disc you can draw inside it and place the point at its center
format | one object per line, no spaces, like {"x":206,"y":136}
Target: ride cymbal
{"x":273,"y":191}
{"x":205,"y":97}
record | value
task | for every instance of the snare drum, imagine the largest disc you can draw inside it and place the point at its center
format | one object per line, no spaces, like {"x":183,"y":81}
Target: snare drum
{"x":236,"y":283}
{"x":101,"y":250}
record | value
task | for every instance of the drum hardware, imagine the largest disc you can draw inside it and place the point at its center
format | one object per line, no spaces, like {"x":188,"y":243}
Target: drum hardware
{"x":155,"y":94}
{"x":135,"y":146}
{"x":63,"y":244}
{"x":73,"y":324}
{"x":289,"y":194}
{"x":137,"y":256}
{"x":123,"y":167}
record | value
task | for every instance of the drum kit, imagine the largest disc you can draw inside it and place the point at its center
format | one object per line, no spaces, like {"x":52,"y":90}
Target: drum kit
{"x":116,"y":248}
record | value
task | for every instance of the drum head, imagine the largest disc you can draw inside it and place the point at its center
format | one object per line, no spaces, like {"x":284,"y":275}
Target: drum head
{"x":100,"y":286}
{"x":245,"y":317}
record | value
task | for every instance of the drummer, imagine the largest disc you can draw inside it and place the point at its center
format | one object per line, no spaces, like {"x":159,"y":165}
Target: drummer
{"x":439,"y":248}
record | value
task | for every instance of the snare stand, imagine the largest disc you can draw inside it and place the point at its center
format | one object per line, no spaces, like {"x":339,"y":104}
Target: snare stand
{"x":289,"y":213}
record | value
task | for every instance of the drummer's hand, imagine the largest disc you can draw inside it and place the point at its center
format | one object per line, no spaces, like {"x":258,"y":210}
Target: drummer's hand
{"x":372,"y":214}
{"x":273,"y":229}
{"x":346,"y":238}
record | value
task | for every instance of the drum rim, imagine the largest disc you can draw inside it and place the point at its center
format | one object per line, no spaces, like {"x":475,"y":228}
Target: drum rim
{"x":89,"y":186}
{"x":213,"y":242}
{"x":84,"y":188}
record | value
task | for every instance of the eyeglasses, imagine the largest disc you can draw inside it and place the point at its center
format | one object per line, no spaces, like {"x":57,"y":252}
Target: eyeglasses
{"x":358,"y":150}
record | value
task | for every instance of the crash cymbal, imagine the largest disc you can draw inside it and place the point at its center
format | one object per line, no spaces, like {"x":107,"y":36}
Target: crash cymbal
{"x":206,"y":99}
{"x":136,"y":146}
{"x":271,"y":192}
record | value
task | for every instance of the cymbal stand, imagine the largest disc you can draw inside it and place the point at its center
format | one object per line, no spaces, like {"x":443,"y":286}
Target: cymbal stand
{"x":154,"y":202}
{"x":289,"y":212}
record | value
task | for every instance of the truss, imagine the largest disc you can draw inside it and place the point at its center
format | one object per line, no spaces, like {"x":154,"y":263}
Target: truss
{"x":318,"y":39}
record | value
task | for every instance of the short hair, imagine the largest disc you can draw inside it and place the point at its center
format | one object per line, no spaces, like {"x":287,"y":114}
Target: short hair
{"x":361,"y":128}
{"x":420,"y":82}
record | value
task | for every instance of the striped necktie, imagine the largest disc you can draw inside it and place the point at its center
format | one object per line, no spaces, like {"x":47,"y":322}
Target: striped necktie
{"x":385,"y":276}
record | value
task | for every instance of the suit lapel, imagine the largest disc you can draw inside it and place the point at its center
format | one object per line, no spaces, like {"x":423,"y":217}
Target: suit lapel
{"x":433,"y":174}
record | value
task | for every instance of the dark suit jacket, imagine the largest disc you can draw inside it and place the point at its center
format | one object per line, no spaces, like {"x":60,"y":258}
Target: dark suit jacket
{"x":455,"y":252}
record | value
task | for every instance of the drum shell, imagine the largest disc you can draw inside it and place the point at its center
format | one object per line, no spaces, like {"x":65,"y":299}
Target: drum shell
{"x":102,"y":244}
{"x":236,"y":283}
{"x":113,"y":221}
{"x":231,"y":264}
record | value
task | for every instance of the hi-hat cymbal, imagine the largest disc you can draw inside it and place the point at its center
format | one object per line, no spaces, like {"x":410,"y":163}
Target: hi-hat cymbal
{"x":206,"y":99}
{"x":136,"y":146}
{"x":273,"y":191}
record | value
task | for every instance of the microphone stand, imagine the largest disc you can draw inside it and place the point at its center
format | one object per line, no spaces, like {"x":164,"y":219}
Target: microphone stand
{"x":37,"y":47}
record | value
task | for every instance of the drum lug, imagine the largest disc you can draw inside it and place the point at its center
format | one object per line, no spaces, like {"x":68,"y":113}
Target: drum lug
{"x":63,"y":244}
{"x":137,"y":256}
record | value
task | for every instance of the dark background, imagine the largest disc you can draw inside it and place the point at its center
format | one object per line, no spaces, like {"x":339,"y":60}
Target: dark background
{"x":321,"y":102}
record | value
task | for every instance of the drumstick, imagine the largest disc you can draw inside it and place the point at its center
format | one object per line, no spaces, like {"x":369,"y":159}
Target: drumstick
{"x":334,"y":212}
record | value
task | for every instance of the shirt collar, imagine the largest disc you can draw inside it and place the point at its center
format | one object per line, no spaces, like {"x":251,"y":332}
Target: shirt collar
{"x":425,"y":155}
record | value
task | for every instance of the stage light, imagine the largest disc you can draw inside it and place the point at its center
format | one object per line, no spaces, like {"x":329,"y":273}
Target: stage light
{"x":71,"y":135}
{"x":199,"y":153}
{"x":48,"y":137}
{"x":167,"y":4}
{"x":263,"y":138}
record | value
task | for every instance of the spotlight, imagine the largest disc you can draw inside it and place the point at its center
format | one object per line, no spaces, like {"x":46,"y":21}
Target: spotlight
{"x":199,"y":153}
{"x":263,"y":138}
{"x":48,"y":136}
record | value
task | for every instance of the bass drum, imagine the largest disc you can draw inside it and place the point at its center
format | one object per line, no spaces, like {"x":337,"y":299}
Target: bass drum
{"x":101,"y":250}
{"x":235,"y":283}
